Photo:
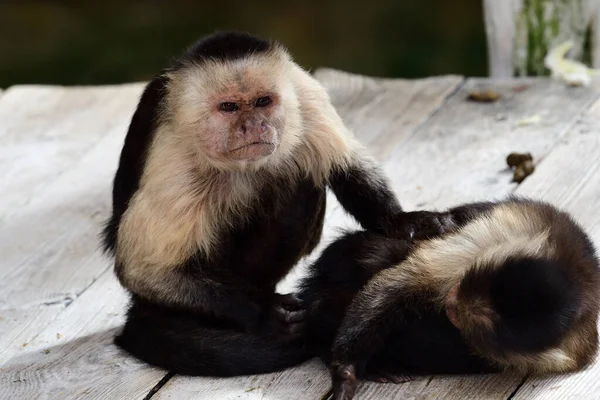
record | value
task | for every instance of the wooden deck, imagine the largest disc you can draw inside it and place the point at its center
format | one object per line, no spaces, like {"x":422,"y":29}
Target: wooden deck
{"x":60,"y":304}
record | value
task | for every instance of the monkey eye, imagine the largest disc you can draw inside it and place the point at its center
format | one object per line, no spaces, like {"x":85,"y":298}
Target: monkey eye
{"x":228,"y":106}
{"x":263,"y":101}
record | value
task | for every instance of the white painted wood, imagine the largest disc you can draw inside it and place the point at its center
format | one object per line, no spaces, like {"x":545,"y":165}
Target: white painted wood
{"x":501,"y":33}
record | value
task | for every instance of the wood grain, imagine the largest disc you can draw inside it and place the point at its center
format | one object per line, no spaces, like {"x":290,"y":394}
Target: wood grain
{"x":45,"y":130}
{"x":49,"y":242}
{"x":454,"y":156}
{"x":384,"y":112}
{"x":74,"y":357}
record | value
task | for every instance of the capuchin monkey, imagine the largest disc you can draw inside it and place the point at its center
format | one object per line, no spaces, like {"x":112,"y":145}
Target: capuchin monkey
{"x":510,"y":285}
{"x":220,"y":190}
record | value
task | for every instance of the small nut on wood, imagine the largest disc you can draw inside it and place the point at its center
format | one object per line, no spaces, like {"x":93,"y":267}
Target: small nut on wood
{"x":484,"y":96}
{"x":523,"y":171}
{"x":515,"y":159}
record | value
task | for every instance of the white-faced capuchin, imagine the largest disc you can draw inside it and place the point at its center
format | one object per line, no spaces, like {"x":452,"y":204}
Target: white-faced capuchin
{"x":510,"y":285}
{"x":220,"y":190}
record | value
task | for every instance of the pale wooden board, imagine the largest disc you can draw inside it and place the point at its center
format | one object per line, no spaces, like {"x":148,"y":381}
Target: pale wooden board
{"x":49,"y":245}
{"x":44,"y":130}
{"x":74,"y":357}
{"x":570,"y":178}
{"x":384,"y":112}
{"x":48,"y":209}
{"x":271,"y":386}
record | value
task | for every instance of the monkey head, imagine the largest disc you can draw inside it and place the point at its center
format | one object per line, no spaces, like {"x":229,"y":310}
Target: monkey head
{"x":235,"y":113}
{"x":519,"y":306}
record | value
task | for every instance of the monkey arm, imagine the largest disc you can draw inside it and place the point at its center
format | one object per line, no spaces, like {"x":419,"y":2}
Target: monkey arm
{"x":462,"y":215}
{"x":363,"y":191}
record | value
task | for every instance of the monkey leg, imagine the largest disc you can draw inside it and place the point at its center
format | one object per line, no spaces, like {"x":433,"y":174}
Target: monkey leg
{"x":199,"y":345}
{"x":371,"y":317}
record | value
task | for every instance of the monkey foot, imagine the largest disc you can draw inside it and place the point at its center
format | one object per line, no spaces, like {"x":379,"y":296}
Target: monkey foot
{"x":385,"y":377}
{"x":344,"y":382}
{"x":287,"y":319}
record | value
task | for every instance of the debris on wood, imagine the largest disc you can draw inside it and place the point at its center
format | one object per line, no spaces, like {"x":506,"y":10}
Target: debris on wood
{"x":484,"y":96}
{"x":572,"y":72}
{"x":514,"y":159}
{"x":520,"y":88}
{"x":531,"y":120}
{"x":523,"y":165}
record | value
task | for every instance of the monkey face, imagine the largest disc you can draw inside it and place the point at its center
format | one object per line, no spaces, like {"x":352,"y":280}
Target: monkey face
{"x":244,"y":126}
{"x":236,"y":114}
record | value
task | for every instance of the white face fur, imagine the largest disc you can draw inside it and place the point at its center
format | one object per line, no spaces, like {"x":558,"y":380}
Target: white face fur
{"x":237,"y":114}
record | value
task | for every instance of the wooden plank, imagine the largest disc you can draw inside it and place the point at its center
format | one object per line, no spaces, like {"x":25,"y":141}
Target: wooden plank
{"x":46,"y":129}
{"x":459,"y":155}
{"x":471,"y":142}
{"x":570,"y":178}
{"x":384,"y":112}
{"x":43,"y":270}
{"x":74,"y":357}
{"x":71,"y":208}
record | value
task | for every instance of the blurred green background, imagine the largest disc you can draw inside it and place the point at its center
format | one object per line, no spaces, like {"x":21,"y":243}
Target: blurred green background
{"x":93,"y":42}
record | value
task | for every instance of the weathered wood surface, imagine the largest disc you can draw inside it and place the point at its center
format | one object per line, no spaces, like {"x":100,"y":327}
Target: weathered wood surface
{"x":59,"y":296}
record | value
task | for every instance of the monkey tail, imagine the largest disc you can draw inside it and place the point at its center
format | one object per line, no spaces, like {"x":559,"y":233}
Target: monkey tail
{"x":197,"y":346}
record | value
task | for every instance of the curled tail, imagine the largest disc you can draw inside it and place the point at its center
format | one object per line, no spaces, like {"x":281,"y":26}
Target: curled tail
{"x":190,"y":345}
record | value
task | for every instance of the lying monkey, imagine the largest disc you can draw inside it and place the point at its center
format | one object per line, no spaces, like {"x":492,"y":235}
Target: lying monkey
{"x":510,"y":285}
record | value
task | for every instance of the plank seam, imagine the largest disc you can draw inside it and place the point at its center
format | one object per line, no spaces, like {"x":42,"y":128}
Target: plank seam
{"x":514,"y":393}
{"x":159,"y":385}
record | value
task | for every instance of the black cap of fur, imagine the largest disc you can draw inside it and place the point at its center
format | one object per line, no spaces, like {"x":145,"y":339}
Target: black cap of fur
{"x":224,"y":46}
{"x":534,"y":300}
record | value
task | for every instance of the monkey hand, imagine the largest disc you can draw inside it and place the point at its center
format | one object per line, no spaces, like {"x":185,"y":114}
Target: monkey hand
{"x":418,"y":225}
{"x":285,"y":318}
{"x":344,"y":382}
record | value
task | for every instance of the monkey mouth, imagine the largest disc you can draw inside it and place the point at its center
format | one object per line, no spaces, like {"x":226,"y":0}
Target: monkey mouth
{"x":254,"y":150}
{"x":259,"y":143}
